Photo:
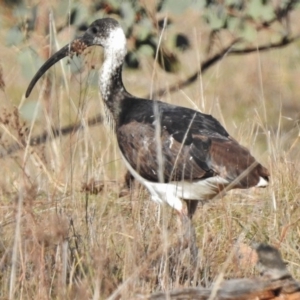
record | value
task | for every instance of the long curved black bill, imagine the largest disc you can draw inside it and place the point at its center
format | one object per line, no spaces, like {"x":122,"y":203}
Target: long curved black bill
{"x":63,"y":52}
{"x":75,"y":47}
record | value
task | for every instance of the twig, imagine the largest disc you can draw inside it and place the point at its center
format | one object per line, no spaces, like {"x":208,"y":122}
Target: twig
{"x":217,"y":57}
{"x":49,"y":136}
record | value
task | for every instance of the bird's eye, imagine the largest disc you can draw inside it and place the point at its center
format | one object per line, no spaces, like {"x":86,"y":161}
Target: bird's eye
{"x":94,"y":30}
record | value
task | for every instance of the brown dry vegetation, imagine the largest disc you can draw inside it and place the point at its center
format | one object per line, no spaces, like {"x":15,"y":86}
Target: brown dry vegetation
{"x":60,"y":241}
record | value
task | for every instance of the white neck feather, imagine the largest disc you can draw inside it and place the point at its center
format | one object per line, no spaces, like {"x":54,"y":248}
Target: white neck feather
{"x":114,"y":53}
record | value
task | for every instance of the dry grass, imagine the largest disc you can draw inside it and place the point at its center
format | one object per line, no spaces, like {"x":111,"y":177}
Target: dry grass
{"x":60,"y":241}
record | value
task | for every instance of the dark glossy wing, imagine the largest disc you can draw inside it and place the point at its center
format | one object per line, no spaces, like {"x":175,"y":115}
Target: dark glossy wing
{"x":232,"y":161}
{"x":176,"y":119}
{"x":194,"y":145}
{"x":138,"y":144}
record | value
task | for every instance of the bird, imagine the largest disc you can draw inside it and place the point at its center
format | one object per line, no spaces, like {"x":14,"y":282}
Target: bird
{"x":181,"y":156}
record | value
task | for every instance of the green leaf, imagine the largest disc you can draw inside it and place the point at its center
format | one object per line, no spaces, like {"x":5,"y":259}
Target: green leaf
{"x":63,"y":8}
{"x":249,"y":33}
{"x":79,"y":10}
{"x":128,"y":14}
{"x":114,"y":3}
{"x":215,"y":19}
{"x":30,"y":110}
{"x":21,"y":12}
{"x":146,"y":50}
{"x":14,"y":36}
{"x":177,"y":7}
{"x":258,"y":10}
{"x":141,"y":33}
{"x":82,"y":12}
{"x":146,"y":23}
{"x":236,"y":3}
{"x":233,"y":24}
{"x":29,"y":62}
{"x":143,"y":29}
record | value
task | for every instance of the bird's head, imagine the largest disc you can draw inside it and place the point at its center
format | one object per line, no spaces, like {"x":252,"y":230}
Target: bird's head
{"x":105,"y":32}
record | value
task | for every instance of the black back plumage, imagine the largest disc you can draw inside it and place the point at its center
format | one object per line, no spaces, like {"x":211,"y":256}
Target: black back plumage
{"x":180,"y":121}
{"x":194,"y":145}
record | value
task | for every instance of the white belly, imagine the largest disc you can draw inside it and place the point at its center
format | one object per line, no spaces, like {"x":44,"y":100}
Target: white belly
{"x":173,"y":192}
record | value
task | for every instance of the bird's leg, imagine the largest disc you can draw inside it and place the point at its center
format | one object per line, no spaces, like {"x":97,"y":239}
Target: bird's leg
{"x":129,"y":179}
{"x":128,"y":185}
{"x":188,"y":230}
{"x":191,"y":206}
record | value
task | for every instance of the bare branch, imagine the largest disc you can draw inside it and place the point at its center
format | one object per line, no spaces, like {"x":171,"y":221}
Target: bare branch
{"x":204,"y":66}
{"x":48,"y":136}
{"x":217,"y":57}
{"x":282,"y":43}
